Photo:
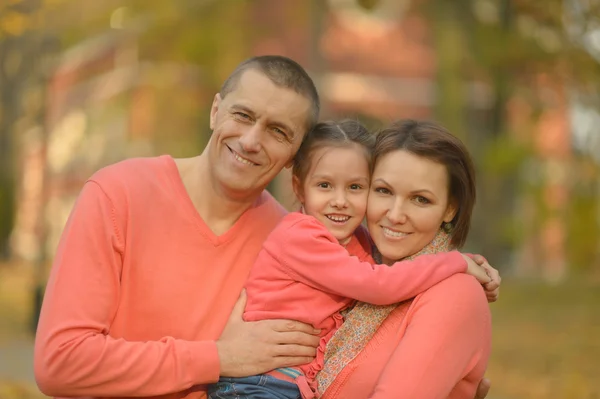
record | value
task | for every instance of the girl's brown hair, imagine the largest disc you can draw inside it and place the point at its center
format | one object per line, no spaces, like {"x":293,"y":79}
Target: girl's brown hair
{"x":434,"y":142}
{"x":342,"y":133}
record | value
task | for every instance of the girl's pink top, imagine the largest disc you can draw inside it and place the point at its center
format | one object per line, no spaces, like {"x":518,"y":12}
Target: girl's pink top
{"x":303,"y":273}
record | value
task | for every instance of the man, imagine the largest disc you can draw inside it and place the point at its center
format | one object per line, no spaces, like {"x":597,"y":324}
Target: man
{"x":141,"y":296}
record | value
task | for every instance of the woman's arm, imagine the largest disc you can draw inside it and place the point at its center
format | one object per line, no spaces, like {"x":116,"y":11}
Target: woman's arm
{"x":447,"y":340}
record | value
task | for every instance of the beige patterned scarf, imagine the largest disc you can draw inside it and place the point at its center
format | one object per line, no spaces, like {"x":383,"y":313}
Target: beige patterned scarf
{"x":361,"y":324}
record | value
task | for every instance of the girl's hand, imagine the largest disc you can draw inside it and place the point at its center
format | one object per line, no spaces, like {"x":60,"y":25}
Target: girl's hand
{"x":476,"y":271}
{"x":492,"y":289}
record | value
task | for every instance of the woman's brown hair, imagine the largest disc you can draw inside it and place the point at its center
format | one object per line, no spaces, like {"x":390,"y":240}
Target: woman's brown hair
{"x":432,"y":141}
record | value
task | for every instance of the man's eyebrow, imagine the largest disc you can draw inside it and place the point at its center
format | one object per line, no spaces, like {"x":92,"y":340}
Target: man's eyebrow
{"x":242,"y":107}
{"x":287,"y":128}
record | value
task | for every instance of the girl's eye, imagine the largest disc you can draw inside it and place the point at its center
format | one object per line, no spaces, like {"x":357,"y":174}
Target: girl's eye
{"x":382,"y":190}
{"x":422,"y":200}
{"x":355,"y":187}
{"x":323,"y":185}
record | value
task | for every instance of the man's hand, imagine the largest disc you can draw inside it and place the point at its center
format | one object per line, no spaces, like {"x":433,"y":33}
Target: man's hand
{"x":483,"y":388}
{"x":250,"y":348}
{"x":492,"y":289}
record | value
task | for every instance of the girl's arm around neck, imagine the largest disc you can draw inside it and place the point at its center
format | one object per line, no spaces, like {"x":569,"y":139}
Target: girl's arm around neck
{"x":309,"y":254}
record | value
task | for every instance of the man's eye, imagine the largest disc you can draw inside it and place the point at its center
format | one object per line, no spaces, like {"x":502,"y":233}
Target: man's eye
{"x":241,"y":115}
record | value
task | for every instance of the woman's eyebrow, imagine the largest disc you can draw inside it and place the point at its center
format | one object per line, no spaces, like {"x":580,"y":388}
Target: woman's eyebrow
{"x":423,"y":191}
{"x":380,"y":180}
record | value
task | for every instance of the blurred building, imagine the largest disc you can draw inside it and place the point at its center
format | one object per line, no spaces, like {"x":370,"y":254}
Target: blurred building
{"x":105,"y":104}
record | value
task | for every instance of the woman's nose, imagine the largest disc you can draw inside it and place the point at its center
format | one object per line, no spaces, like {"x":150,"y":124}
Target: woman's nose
{"x":397,"y":214}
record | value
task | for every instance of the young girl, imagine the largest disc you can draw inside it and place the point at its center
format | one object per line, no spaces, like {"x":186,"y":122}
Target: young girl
{"x":312,"y":266}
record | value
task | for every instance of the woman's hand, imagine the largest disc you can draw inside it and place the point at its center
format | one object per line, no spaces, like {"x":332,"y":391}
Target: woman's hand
{"x":492,"y":289}
{"x":475,"y":270}
{"x":483,"y":388}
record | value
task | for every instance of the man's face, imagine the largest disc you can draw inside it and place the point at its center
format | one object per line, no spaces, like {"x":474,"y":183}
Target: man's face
{"x":257,"y":129}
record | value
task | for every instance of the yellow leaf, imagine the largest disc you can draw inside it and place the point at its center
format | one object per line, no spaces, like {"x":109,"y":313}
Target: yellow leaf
{"x":13,"y":23}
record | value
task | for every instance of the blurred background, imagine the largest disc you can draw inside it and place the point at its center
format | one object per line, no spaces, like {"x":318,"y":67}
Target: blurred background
{"x":86,"y":84}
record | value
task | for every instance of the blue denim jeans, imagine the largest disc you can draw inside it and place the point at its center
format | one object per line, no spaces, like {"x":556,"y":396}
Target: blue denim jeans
{"x":255,"y":387}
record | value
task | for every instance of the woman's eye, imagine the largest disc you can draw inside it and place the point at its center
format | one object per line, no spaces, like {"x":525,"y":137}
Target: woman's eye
{"x":422,"y":200}
{"x":382,"y":190}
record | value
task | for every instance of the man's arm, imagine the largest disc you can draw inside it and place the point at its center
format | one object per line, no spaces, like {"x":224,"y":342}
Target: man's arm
{"x":76,"y":356}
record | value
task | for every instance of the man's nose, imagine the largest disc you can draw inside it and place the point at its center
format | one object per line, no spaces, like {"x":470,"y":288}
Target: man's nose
{"x":250,"y":140}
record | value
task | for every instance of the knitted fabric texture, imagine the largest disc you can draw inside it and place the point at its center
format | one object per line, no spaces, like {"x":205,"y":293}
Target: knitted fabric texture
{"x":361,"y":323}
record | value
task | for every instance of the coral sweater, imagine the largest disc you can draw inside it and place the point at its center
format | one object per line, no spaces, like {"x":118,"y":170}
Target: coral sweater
{"x":436,"y":346}
{"x":304,"y":274}
{"x":141,"y":288}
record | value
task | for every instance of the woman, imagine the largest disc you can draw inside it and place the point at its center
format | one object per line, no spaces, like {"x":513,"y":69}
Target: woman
{"x":438,"y":344}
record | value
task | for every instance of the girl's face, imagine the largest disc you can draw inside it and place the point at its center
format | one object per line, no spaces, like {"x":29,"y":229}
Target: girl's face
{"x":336,"y":188}
{"x":408,"y":201}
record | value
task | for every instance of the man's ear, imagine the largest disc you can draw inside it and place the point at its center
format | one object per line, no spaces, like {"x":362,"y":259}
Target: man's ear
{"x":290,"y":163}
{"x":451,"y":210}
{"x":214,"y":109}
{"x":297,"y":187}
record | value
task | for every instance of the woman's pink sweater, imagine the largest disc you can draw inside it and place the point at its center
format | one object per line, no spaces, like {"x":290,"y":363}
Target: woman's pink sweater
{"x":434,"y":347}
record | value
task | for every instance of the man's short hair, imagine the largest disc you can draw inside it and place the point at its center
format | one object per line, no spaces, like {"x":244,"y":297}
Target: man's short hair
{"x":283,"y":72}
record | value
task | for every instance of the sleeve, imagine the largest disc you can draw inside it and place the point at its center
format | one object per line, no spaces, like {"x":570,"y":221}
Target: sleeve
{"x":74,"y":355}
{"x":448,"y":337}
{"x":309,"y":254}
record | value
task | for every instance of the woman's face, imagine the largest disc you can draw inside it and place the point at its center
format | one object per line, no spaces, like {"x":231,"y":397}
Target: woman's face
{"x":408,"y":202}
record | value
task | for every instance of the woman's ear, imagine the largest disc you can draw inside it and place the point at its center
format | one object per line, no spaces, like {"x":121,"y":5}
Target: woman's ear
{"x":451,"y":211}
{"x":297,"y":187}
